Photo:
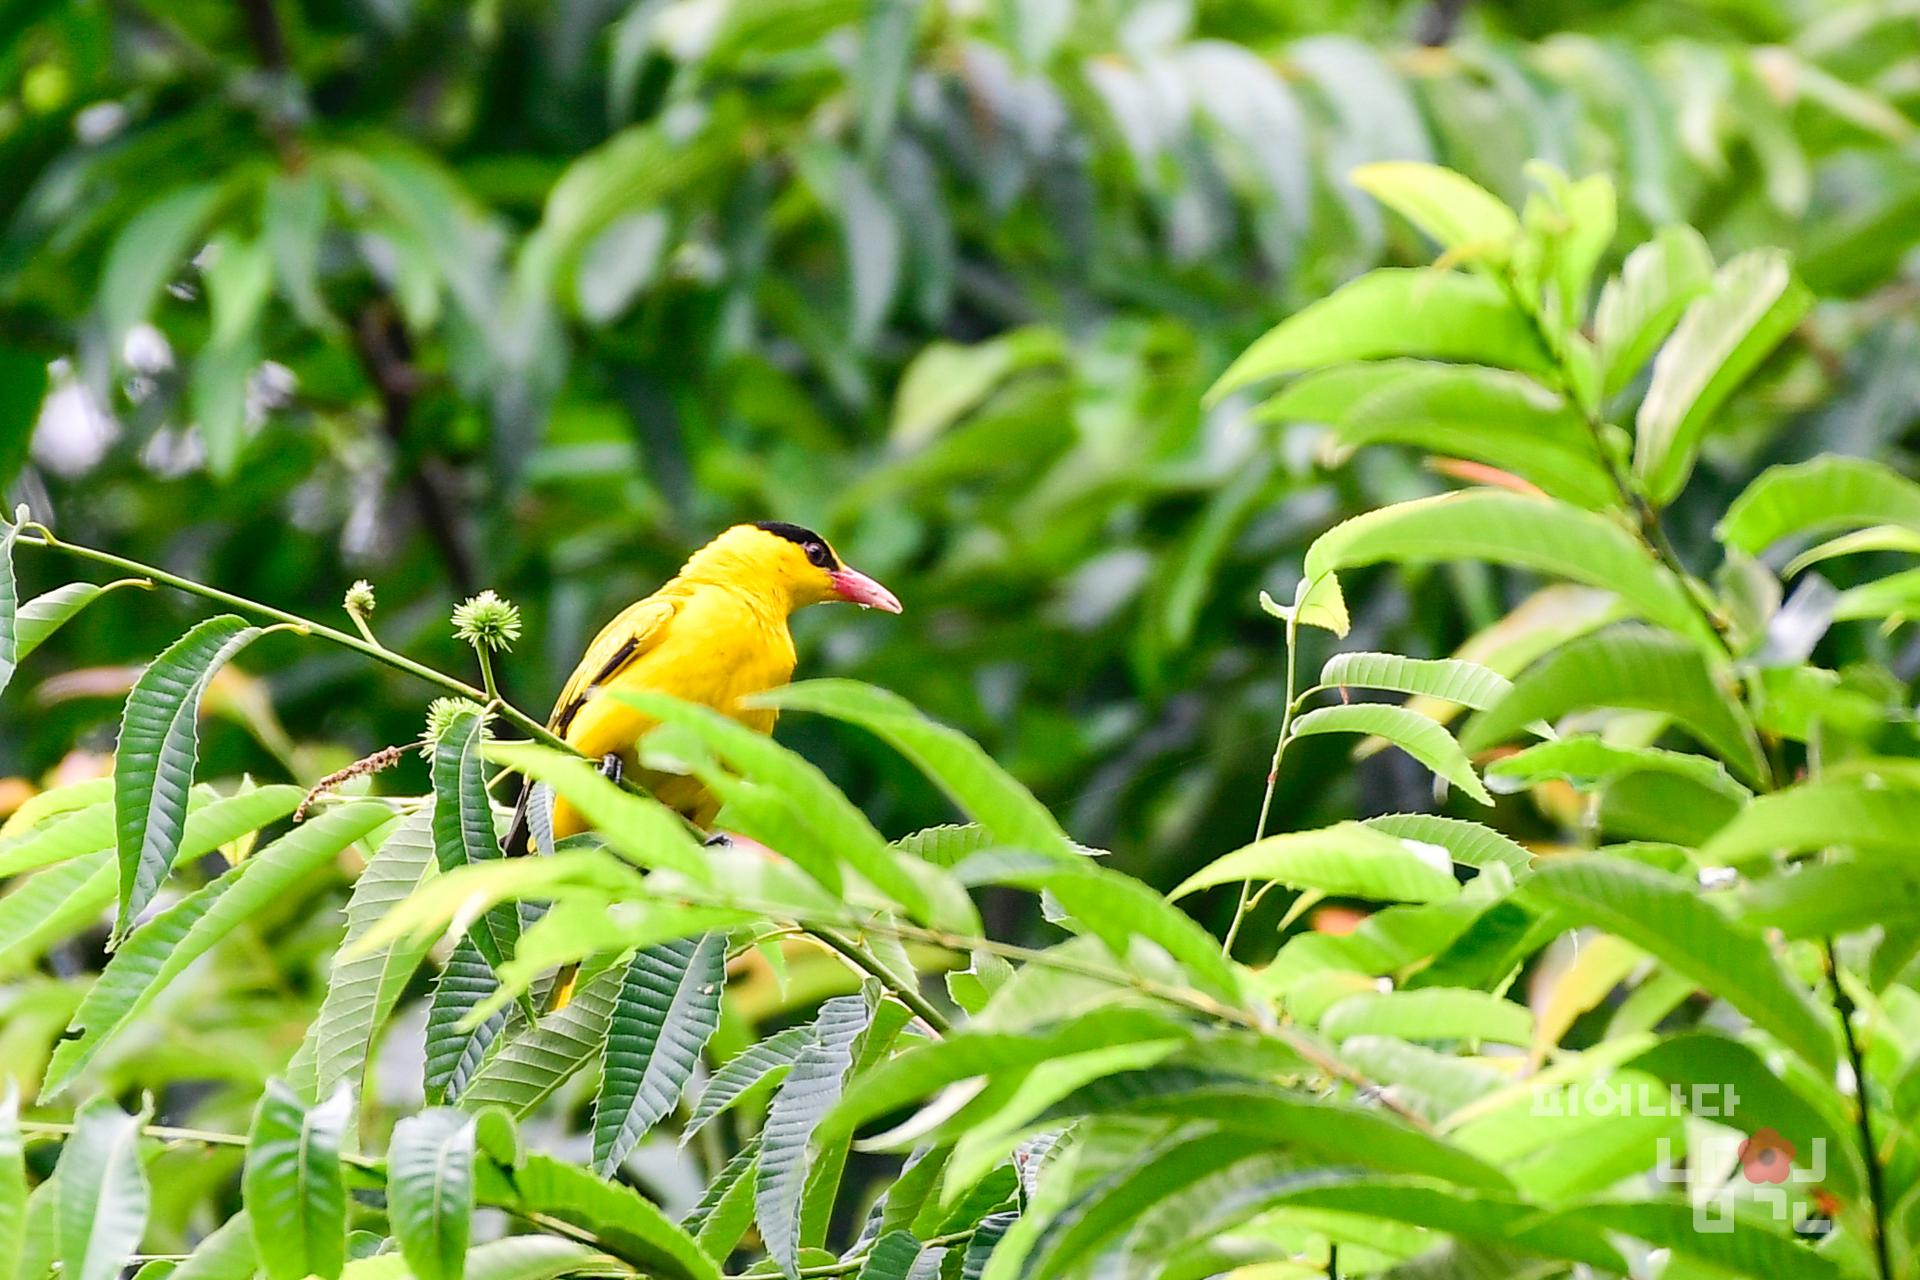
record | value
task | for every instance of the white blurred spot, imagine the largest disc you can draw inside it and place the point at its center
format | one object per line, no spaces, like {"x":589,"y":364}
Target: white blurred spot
{"x":74,"y":429}
{"x":147,"y":350}
{"x":99,"y":122}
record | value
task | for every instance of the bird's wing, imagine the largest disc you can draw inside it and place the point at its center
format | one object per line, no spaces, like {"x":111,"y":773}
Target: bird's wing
{"x":639,"y":629}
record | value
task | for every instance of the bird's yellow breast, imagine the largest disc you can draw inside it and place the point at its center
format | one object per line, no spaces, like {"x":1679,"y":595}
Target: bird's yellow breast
{"x":719,"y":648}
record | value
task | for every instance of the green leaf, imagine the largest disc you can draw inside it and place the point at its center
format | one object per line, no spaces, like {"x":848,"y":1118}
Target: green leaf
{"x":225,"y":1253}
{"x":1491,"y":416}
{"x":212,"y":821}
{"x":1722,"y":338}
{"x":430,"y":1191}
{"x":1666,"y":917}
{"x":1115,"y":908}
{"x":463,"y":832}
{"x":891,"y":1257}
{"x":40,"y":1246}
{"x":293,"y":218}
{"x":1824,"y":493}
{"x":1437,"y":1013}
{"x":1640,"y":306}
{"x":1344,"y":1131}
{"x":986,"y":1236}
{"x":1823,"y":899}
{"x":622,"y":1222}
{"x":1469,"y":843}
{"x":531,"y":1065}
{"x":1449,"y":679}
{"x":45,"y":614}
{"x":638,"y":828}
{"x":104,"y":1193}
{"x":293,"y":1188}
{"x":757,"y":1064}
{"x":151,"y":246}
{"x":950,"y":759}
{"x":454,"y":1049}
{"x":1509,"y":529}
{"x":23,"y":390}
{"x":1425,"y":740}
{"x":725,"y":1212}
{"x":162,"y":948}
{"x":46,"y":907}
{"x":667,"y":1010}
{"x":1588,"y":762}
{"x":1440,"y":315}
{"x":1884,"y":537}
{"x":159,"y":745}
{"x":362,"y":989}
{"x":1757,"y":1245}
{"x":13,"y":1174}
{"x":1626,"y":667}
{"x":1459,"y":214}
{"x":1344,"y":860}
{"x":1729,"y":1082}
{"x":806,"y":1095}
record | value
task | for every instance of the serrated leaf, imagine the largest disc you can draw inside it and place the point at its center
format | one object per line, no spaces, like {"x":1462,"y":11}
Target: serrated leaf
{"x":1339,"y":1130}
{"x":531,"y":1065}
{"x":1448,"y":679}
{"x":948,"y":844}
{"x":463,"y":832}
{"x":1509,"y":529}
{"x":1345,"y":860}
{"x":1115,"y":908}
{"x":45,"y":614}
{"x":453,"y":1049}
{"x":362,"y":989}
{"x":806,"y":1095}
{"x":1432,"y":1014}
{"x":1423,"y":739}
{"x":1457,"y":212}
{"x":1431,"y":314}
{"x":1639,"y":307}
{"x":891,"y":1257}
{"x":638,"y":828}
{"x":667,"y":1009}
{"x":44,"y":908}
{"x":212,"y":821}
{"x":1469,"y":843}
{"x":985,"y":1237}
{"x":163,"y":947}
{"x":1666,"y":917}
{"x":430,"y":1191}
{"x":725,"y":1211}
{"x":293,"y":1188}
{"x":1821,"y":494}
{"x":104,"y":1193}
{"x":158,"y":747}
{"x":950,"y":759}
{"x":1587,"y":762}
{"x":1626,"y":667}
{"x":624,"y":1223}
{"x":1724,"y":335}
{"x":757,"y":1064}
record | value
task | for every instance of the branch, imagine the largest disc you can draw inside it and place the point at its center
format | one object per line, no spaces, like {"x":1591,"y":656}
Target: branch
{"x":1869,"y":1151}
{"x":32,"y":534}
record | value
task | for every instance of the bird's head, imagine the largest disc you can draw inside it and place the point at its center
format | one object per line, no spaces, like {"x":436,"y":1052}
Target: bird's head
{"x":790,"y":563}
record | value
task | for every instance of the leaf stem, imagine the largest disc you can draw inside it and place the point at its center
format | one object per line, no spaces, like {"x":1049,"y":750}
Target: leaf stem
{"x":36,"y":534}
{"x":905,"y":988}
{"x":173,"y":1133}
{"x":1273,"y":770}
{"x":486,"y":677}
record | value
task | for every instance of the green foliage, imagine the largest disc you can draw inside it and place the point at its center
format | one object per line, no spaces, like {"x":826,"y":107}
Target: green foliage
{"x":1342,"y":1039}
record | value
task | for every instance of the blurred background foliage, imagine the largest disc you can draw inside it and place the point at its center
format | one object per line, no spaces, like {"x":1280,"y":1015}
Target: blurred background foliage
{"x":539,"y":296}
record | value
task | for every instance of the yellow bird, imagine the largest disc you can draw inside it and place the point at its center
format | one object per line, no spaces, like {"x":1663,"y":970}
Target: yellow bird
{"x":714,"y":634}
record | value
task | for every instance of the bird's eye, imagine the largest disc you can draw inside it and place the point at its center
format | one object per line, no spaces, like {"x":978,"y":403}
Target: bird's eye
{"x":818,"y":554}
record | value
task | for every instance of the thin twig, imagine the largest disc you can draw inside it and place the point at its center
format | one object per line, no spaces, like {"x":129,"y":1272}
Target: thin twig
{"x":35,"y":534}
{"x":1869,"y":1150}
{"x":905,"y":988}
{"x":1273,"y":771}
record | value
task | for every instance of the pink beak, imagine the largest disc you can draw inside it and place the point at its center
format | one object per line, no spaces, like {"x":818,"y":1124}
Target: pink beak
{"x":853,"y":585}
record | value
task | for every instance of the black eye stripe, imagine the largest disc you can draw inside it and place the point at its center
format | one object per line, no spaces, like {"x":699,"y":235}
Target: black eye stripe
{"x":815,"y":546}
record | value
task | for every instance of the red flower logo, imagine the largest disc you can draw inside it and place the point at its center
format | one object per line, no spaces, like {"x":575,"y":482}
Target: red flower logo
{"x":1766,"y":1157}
